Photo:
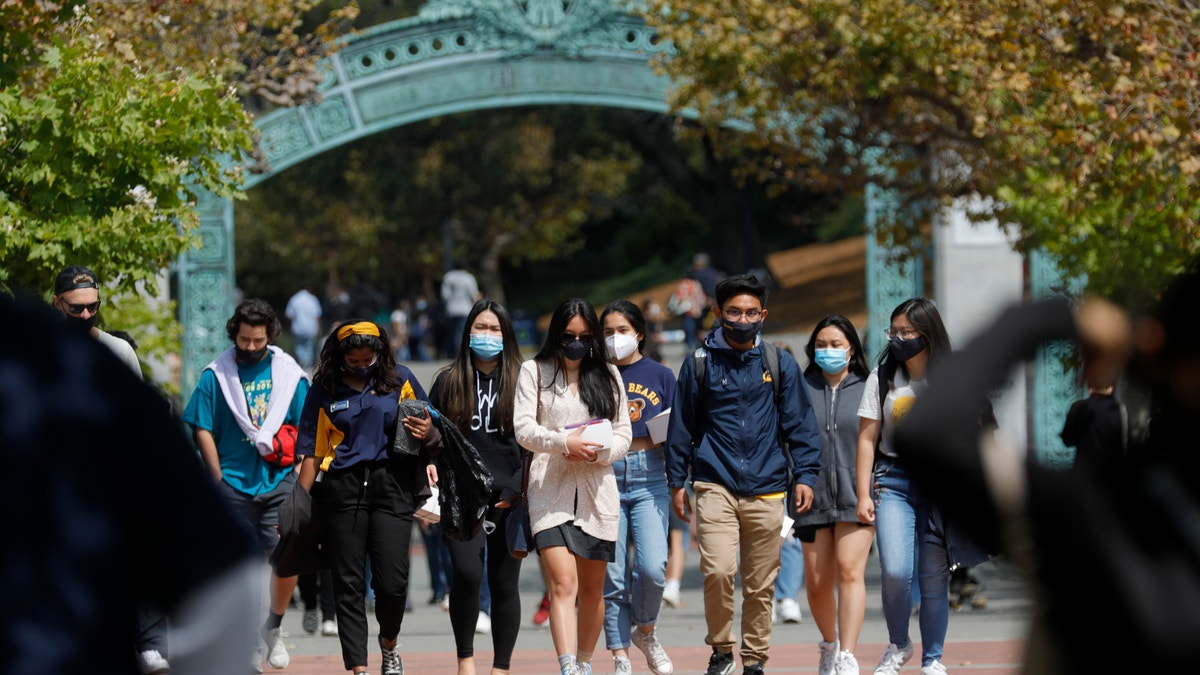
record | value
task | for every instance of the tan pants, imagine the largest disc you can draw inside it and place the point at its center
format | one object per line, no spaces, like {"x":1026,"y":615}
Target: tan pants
{"x":732,"y":530}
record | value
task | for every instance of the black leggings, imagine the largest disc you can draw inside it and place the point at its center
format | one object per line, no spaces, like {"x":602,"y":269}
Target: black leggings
{"x":504,"y":572}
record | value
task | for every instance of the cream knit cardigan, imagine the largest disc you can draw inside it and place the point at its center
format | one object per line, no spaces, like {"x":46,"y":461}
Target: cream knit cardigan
{"x":560,"y":491}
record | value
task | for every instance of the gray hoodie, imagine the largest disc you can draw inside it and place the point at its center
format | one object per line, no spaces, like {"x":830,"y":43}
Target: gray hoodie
{"x":835,"y":498}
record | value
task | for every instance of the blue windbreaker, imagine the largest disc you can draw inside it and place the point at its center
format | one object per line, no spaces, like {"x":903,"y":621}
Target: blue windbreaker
{"x":729,"y":434}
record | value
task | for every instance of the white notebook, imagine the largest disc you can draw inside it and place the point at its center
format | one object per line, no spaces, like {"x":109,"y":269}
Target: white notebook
{"x":596,"y":431}
{"x":657,"y":426}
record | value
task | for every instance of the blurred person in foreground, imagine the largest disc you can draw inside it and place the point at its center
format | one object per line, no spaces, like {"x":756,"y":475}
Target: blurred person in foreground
{"x":1129,"y":531}
{"x":110,"y":512}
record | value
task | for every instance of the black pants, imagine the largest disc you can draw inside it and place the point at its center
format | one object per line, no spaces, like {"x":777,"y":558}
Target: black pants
{"x":368,"y":509}
{"x":504,"y":572}
{"x":317,"y":587}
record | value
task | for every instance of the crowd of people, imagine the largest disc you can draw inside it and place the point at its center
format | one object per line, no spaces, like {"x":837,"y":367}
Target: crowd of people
{"x":588,"y":452}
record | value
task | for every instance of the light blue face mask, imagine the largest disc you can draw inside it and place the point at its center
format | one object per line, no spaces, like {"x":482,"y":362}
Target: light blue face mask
{"x":832,"y":361}
{"x":486,"y":347}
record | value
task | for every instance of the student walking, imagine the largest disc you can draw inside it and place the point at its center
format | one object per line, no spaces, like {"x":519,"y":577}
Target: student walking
{"x":907,"y":529}
{"x":835,"y":543}
{"x":476,"y":392}
{"x":740,"y":430}
{"x":241,"y":401}
{"x":573,"y":498}
{"x":364,"y":494}
{"x":633,"y":593}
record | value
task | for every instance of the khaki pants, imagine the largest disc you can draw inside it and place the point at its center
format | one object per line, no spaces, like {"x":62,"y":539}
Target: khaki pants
{"x":732,"y":530}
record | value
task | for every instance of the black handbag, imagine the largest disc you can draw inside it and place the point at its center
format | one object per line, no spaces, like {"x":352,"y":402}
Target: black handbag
{"x":301,"y":547}
{"x":518,"y":532}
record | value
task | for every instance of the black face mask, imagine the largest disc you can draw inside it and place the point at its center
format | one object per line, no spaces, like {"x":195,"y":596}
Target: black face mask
{"x":249,"y":355}
{"x":904,"y":350}
{"x":576,"y":350}
{"x":365,"y":372}
{"x":741,"y":333}
{"x":82,"y":325}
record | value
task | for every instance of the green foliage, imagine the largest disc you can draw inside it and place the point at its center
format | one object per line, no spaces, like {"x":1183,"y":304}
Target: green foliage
{"x":1081,"y":117}
{"x":97,"y":166}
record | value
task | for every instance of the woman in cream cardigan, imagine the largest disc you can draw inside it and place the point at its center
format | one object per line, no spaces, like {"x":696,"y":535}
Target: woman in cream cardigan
{"x":573,"y":499}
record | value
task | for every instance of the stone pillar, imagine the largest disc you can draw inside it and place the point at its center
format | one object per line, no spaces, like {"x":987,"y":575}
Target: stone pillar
{"x":977,"y":274}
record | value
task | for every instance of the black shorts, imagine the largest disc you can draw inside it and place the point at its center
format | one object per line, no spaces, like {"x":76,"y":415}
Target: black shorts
{"x":808,"y":533}
{"x":577,"y":541}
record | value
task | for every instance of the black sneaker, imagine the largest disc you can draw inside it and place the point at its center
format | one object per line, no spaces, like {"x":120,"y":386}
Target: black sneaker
{"x":720,"y":663}
{"x":756,"y":669}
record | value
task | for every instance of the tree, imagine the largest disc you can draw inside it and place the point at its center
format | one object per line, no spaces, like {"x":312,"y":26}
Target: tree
{"x":1081,"y":118}
{"x":113,"y":114}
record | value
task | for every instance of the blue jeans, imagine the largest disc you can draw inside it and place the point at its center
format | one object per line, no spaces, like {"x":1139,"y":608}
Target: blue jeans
{"x":791,"y":570}
{"x":437,"y":555}
{"x":901,"y":520}
{"x":637,"y":592}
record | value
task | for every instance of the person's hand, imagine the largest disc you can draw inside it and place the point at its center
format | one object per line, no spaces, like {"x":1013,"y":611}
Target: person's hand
{"x":1106,"y":340}
{"x":804,"y":498}
{"x":431,"y":474}
{"x":866,"y":511}
{"x":579,"y":450}
{"x":679,"y":503}
{"x":418,"y":427}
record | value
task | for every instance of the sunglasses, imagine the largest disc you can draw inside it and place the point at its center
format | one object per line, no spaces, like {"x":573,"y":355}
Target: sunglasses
{"x":78,"y":309}
{"x":568,"y":338}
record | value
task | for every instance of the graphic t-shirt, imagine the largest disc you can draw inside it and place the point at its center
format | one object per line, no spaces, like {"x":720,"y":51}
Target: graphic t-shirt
{"x":242,"y":468}
{"x":900,"y":398}
{"x":650,"y":388}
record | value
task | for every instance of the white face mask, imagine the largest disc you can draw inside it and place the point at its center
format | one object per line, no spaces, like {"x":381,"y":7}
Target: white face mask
{"x":620,"y":345}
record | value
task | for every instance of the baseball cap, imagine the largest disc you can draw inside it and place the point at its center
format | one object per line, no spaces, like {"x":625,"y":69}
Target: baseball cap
{"x":73,"y":277}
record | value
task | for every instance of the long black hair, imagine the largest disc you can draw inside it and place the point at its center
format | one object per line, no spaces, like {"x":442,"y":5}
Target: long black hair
{"x":598,"y":388}
{"x":924,"y":316}
{"x":456,"y":393}
{"x":633,"y":314}
{"x":858,"y":361}
{"x":331,"y":364}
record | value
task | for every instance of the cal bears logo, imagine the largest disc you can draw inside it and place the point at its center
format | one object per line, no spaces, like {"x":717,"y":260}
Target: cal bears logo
{"x":636,"y":406}
{"x":900,"y":408}
{"x":767,"y":377}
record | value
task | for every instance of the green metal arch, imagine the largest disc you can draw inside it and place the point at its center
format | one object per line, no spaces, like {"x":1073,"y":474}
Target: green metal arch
{"x":454,"y":56}
{"x":460,"y":57}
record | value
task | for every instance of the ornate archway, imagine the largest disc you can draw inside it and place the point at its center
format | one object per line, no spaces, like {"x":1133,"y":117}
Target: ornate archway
{"x":454,"y":56}
{"x":465,"y":55}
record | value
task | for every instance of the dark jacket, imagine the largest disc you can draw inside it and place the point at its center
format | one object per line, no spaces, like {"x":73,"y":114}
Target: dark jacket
{"x":727,"y":431}
{"x":835,"y":496}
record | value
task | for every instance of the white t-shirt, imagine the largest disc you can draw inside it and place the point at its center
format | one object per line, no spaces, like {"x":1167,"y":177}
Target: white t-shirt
{"x":900,"y":398}
{"x":304,"y":310}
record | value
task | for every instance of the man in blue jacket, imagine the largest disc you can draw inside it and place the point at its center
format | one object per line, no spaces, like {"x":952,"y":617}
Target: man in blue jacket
{"x":739,"y":434}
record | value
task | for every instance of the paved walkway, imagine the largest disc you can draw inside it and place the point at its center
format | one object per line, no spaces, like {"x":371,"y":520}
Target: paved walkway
{"x":985,"y":641}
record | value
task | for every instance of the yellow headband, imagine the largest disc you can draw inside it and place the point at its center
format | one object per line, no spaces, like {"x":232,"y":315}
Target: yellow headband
{"x":360,"y":328}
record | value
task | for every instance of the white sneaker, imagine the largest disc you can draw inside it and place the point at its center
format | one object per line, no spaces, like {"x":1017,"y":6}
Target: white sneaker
{"x":329,"y":627}
{"x":672,"y":599}
{"x":827,"y":665}
{"x":277,"y":653}
{"x":656,"y":656}
{"x":934,"y":668}
{"x":483,"y":625}
{"x":151,"y":661}
{"x":622,"y":666}
{"x":789,"y":611}
{"x":847,"y":664}
{"x":893,"y":659}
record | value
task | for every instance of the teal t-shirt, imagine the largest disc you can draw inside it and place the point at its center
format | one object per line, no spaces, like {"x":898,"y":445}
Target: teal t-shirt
{"x":242,"y":468}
